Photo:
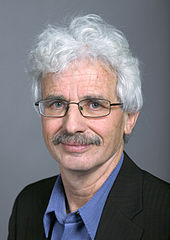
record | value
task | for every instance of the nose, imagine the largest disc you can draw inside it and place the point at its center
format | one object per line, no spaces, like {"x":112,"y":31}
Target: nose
{"x":73,"y":121}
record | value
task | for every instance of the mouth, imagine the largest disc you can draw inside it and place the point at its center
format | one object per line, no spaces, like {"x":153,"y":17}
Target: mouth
{"x":75,"y":147}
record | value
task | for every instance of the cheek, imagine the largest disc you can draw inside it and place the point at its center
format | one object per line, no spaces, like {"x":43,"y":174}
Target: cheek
{"x":110,"y":129}
{"x":50,"y":127}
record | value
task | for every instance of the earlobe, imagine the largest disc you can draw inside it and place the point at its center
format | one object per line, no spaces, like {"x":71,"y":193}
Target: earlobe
{"x":130,"y":121}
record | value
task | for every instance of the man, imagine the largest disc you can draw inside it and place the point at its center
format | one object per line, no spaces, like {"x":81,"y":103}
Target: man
{"x":87,"y":90}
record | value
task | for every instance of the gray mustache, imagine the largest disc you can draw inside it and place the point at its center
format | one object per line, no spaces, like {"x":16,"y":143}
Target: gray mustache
{"x":76,"y":138}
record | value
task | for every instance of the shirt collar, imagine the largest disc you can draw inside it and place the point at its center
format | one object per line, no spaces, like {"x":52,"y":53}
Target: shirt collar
{"x":56,"y":205}
{"x":90,"y":212}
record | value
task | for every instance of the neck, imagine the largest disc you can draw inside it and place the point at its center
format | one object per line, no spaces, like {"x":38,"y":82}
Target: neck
{"x":80,"y":186}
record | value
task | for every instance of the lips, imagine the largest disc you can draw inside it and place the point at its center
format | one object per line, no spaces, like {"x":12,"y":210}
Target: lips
{"x":74,"y":147}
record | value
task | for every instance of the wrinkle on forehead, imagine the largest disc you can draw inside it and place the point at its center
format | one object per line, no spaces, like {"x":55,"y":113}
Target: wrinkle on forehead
{"x":85,"y":79}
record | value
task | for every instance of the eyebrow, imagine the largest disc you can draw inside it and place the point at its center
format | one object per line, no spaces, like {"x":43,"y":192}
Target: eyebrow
{"x":52,"y":97}
{"x":61,"y":97}
{"x":96,"y":96}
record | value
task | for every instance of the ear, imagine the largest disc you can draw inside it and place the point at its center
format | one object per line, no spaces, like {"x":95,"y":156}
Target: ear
{"x":130,"y":121}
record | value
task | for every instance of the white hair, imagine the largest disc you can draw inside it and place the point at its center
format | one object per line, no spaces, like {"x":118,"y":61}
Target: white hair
{"x":88,"y":37}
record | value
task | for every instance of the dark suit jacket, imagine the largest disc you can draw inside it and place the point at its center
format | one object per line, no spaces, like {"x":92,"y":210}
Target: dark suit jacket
{"x":138,"y":207}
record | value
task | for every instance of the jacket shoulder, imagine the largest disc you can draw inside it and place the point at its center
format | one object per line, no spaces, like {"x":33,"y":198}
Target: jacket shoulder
{"x":41,"y":184}
{"x":28,"y":210}
{"x":154,"y":198}
{"x":148,"y":178}
{"x":156,"y":188}
{"x":38,"y":189}
{"x":155,"y":193}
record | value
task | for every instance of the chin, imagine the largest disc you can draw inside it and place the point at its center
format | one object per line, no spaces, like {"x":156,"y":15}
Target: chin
{"x":76,"y":164}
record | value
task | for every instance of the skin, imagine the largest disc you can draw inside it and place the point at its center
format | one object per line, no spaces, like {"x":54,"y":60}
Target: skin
{"x":85,"y":168}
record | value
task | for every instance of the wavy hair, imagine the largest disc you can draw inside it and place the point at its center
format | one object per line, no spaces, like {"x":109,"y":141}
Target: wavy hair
{"x":88,"y":37}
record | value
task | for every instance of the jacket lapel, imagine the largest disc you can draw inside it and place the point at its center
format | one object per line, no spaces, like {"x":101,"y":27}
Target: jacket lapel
{"x":123,"y":204}
{"x":42,"y":202}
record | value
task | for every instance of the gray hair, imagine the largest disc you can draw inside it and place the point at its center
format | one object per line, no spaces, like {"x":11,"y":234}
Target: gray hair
{"x":88,"y":37}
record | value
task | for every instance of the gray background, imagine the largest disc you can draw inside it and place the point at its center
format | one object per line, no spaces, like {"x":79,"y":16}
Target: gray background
{"x":24,"y":158}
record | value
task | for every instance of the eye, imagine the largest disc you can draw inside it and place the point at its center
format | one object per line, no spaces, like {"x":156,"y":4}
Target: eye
{"x":95,"y":105}
{"x":56,"y":104}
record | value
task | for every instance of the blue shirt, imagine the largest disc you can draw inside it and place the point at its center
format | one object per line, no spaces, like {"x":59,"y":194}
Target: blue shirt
{"x":83,"y":223}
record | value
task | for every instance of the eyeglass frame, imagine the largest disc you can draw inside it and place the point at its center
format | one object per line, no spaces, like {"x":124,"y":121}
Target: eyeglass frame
{"x":79,"y":107}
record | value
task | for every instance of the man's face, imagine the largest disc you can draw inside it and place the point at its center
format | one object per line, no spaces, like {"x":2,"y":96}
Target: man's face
{"x":75,"y":84}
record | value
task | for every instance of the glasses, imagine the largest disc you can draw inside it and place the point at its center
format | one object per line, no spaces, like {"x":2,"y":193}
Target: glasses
{"x":89,"y":108}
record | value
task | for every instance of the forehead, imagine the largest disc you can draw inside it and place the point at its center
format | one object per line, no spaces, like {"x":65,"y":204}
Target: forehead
{"x":80,"y":80}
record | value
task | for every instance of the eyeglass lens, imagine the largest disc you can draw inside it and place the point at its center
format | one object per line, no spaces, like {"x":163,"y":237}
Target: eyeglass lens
{"x":87,"y":107}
